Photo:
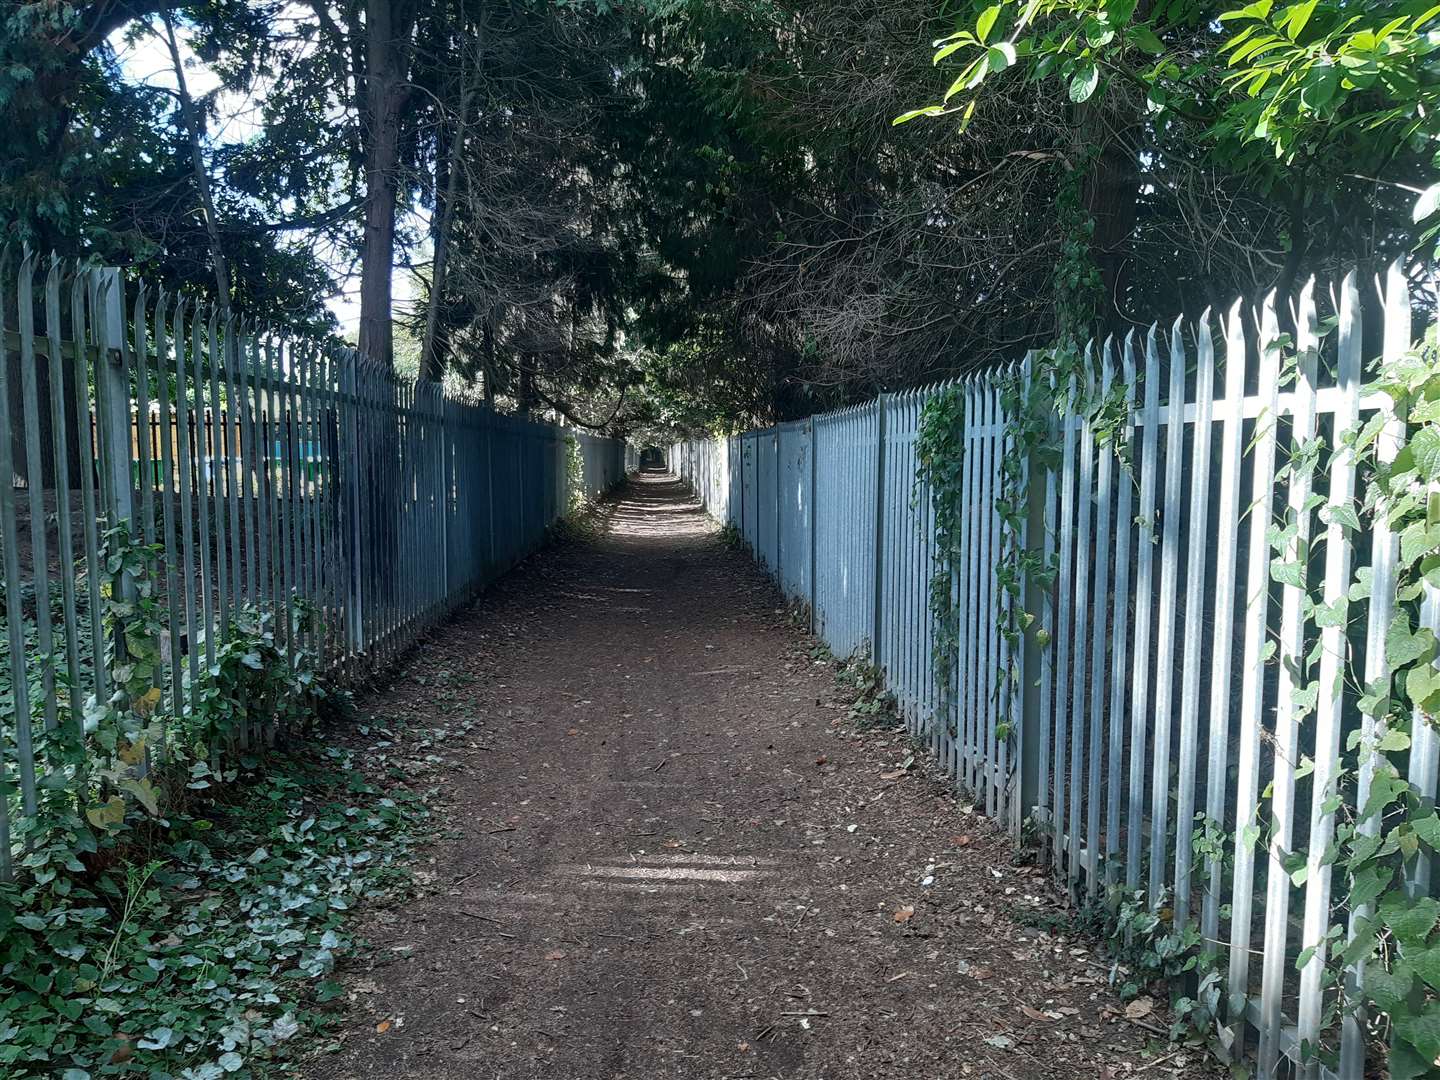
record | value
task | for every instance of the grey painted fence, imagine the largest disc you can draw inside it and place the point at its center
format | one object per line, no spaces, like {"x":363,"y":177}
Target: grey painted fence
{"x":1153,"y":711}
{"x":268,"y":471}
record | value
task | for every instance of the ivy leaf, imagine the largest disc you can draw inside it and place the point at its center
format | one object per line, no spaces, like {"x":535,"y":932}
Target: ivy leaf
{"x":1428,"y":829}
{"x":1405,"y":1062}
{"x":1423,"y":685}
{"x":1363,"y":579}
{"x":145,"y":794}
{"x":1410,"y":920}
{"x":1369,"y":883}
{"x":1390,"y":988}
{"x":1420,"y":1030}
{"x":1425,"y":447}
{"x":1426,"y":963}
{"x":1290,"y":573}
{"x":1393,"y":742}
{"x":107,"y":815}
{"x":1342,"y":514}
{"x":1404,"y":646}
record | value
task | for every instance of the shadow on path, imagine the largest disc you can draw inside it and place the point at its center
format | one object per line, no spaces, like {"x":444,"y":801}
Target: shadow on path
{"x":672,"y":856}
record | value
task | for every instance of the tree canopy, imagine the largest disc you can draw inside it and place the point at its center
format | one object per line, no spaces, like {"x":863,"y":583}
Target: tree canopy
{"x":703,"y":214}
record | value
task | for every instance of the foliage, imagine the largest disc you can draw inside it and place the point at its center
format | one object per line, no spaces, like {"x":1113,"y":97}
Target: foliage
{"x":200,"y":946}
{"x":1393,"y":932}
{"x":872,"y":706}
{"x":1322,"y":90}
{"x":574,"y":476}
{"x":152,"y":930}
{"x":940,"y":464}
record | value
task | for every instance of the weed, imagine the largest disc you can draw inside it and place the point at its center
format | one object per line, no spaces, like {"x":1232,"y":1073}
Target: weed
{"x":872,"y":706}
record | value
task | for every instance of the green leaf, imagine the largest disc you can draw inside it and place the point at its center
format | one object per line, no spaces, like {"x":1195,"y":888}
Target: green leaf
{"x":1369,"y":883}
{"x":1145,"y":38}
{"x":1404,"y":646}
{"x":1084,"y":82}
{"x":999,"y":57}
{"x":1410,"y":920}
{"x":1390,"y":988}
{"x":1428,"y":829}
{"x":1320,"y":86}
{"x":1295,"y":17}
{"x":1426,"y":963}
{"x":986,"y":22}
{"x":928,"y":110}
{"x":1422,"y":1030}
{"x":1425,"y":447}
{"x":1393,"y":742}
{"x":1427,"y":203}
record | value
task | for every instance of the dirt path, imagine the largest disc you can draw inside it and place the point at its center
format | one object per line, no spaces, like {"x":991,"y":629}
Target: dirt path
{"x":673,"y":857}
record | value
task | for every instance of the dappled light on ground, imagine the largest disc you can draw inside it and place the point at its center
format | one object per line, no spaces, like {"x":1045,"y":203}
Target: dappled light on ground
{"x":671,"y":856}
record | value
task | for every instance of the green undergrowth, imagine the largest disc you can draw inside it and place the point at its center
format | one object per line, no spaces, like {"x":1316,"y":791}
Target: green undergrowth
{"x":585,"y":523}
{"x":872,"y":706}
{"x":205,"y":945}
{"x":182,"y":887}
{"x":731,"y":537}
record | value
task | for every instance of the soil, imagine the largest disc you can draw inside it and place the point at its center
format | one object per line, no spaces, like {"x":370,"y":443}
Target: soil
{"x":671,"y":854}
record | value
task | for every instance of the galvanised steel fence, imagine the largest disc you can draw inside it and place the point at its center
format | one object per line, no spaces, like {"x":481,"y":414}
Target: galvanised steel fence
{"x":1152,"y":717}
{"x":272,"y":474}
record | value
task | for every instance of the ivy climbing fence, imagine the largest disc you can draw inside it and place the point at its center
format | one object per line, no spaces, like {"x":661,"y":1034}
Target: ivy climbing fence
{"x":277,"y":481}
{"x":1163,"y":632}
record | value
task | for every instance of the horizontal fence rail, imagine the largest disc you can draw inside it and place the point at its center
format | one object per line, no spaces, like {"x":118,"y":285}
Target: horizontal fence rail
{"x":1158,"y":704}
{"x":275,"y":480}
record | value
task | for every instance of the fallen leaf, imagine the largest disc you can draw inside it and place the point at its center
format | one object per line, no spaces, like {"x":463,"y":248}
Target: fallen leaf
{"x":382,"y":1027}
{"x":1033,"y":1014}
{"x":124,"y":1052}
{"x":1139,"y":1008}
{"x":904,"y":914}
{"x":894,"y":774}
{"x":979,"y":971}
{"x":963,"y":840}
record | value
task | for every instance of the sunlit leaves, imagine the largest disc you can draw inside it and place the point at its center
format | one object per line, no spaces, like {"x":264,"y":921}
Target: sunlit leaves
{"x":1084,"y":82}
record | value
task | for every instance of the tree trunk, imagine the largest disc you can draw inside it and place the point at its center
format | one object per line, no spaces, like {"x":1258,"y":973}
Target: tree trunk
{"x":191,"y":121}
{"x":387,"y":29}
{"x":1111,"y":186}
{"x":431,"y":366}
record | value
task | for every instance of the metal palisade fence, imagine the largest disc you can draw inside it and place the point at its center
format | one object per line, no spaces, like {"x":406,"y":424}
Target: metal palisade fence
{"x":1158,"y":703}
{"x":274,"y":477}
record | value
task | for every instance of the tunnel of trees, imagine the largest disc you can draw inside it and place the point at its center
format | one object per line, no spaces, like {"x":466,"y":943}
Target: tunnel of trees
{"x":701,"y":215}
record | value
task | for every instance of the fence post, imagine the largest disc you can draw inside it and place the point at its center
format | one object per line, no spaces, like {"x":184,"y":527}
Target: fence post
{"x":442,"y":428}
{"x":876,"y":603}
{"x":779,"y":533}
{"x":1027,"y":734}
{"x":354,"y":601}
{"x":112,"y":393}
{"x":814,"y":592}
{"x":113,"y":387}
